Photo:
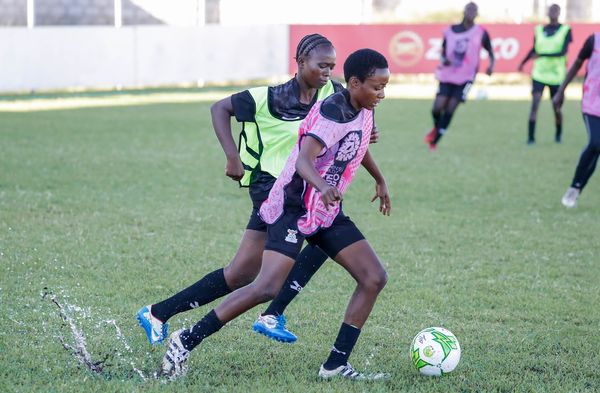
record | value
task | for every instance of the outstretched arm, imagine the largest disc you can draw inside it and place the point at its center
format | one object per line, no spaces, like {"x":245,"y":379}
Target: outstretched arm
{"x":305,"y":166}
{"x":584,"y":54}
{"x":381,"y":189}
{"x":559,"y":97}
{"x":221,"y":113}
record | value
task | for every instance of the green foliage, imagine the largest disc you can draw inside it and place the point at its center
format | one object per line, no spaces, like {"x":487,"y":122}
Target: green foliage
{"x":115,"y":208}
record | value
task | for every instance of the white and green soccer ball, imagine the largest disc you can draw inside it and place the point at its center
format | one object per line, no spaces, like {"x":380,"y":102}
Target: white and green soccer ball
{"x":435,"y":351}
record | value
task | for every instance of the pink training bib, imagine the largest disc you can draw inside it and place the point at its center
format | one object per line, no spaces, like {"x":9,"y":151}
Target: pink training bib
{"x":590,"y":103}
{"x":345,"y":146}
{"x":462,"y":50}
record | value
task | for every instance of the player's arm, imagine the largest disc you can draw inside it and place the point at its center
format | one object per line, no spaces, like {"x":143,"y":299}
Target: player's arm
{"x":486,"y":42}
{"x":221,"y":113}
{"x":310,"y":148}
{"x":381,"y":189}
{"x":443,"y":57}
{"x":584,"y":53}
{"x":530,"y":55}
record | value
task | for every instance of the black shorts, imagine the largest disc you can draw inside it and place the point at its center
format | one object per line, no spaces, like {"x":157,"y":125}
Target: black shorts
{"x":456,"y":91}
{"x":538,"y":87}
{"x":259,"y":192}
{"x":285,"y":238}
{"x":255,"y":222}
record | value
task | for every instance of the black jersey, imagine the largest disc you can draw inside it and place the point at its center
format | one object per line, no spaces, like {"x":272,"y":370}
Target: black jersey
{"x":284,"y":102}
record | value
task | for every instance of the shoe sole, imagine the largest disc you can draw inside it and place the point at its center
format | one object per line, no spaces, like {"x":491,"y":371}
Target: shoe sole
{"x":139,"y":319}
{"x":272,"y":337}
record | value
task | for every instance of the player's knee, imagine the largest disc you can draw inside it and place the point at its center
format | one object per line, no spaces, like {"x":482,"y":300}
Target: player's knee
{"x":236,"y":278}
{"x":595,"y":145}
{"x":264,"y":292}
{"x":374,"y":281}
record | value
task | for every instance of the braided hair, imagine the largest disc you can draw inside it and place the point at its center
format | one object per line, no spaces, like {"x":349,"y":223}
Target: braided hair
{"x":310,"y":42}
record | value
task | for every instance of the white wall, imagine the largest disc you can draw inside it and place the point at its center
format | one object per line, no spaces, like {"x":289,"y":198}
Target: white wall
{"x":66,"y":57}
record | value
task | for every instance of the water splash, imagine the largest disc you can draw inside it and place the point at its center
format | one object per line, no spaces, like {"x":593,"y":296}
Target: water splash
{"x":79,"y":348}
{"x":121,"y":338}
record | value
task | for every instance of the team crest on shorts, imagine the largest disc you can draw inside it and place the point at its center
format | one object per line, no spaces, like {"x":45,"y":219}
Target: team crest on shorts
{"x":291,"y":236}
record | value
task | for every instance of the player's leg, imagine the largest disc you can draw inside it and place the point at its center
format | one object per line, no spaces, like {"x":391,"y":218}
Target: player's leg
{"x":272,"y":323}
{"x":458,"y":94}
{"x":274,"y":270}
{"x":241,"y":270}
{"x":278,"y":259}
{"x":587,"y":161}
{"x":536,"y":96}
{"x":439,"y":104}
{"x":558,"y":118}
{"x":358,"y":258}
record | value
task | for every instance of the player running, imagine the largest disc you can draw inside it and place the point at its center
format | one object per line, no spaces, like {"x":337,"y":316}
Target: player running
{"x":458,"y":66}
{"x":305,"y":203}
{"x":270,"y":117}
{"x":590,"y":108}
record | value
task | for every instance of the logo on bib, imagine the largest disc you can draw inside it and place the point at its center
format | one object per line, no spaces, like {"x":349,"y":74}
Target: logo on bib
{"x":291,"y":236}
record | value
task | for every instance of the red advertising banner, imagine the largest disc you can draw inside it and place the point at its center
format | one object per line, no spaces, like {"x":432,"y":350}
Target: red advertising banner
{"x":415,"y":48}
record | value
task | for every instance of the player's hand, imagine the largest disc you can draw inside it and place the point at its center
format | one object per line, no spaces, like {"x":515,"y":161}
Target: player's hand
{"x":520,"y":69}
{"x":446,"y":62}
{"x":489,"y":70}
{"x":558,"y":99}
{"x":330,"y":195}
{"x":374,"y":135}
{"x":382,"y":192}
{"x":234,"y":168}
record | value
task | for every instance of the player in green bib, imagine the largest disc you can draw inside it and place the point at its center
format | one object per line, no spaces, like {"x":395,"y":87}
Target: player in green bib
{"x":550,"y":46}
{"x":270,"y":118}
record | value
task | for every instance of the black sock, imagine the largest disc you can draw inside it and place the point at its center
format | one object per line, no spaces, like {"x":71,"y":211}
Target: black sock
{"x":308,"y":262}
{"x":531,"y":131}
{"x":443,"y":125}
{"x":440,"y":133}
{"x":436,"y":118}
{"x":210,"y":287}
{"x":558,"y":135}
{"x":205,"y":327}
{"x":445,"y":120}
{"x":344,"y":343}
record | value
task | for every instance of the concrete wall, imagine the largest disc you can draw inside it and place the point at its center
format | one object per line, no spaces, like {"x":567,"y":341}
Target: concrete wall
{"x":74,"y":13}
{"x":95,"y":57}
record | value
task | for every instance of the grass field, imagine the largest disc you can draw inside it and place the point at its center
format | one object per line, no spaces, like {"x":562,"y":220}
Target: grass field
{"x":114,"y":208}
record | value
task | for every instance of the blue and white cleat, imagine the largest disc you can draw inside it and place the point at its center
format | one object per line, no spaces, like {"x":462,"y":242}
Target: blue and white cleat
{"x":274,"y":327}
{"x":156,"y":331}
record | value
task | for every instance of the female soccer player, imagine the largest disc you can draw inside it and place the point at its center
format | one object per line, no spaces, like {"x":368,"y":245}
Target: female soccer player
{"x":549,"y":50}
{"x":304,"y":203}
{"x":457,"y":70}
{"x":590,"y":107}
{"x":270,"y":117}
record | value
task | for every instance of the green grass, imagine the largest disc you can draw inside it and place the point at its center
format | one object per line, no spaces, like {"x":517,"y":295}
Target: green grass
{"x":115,"y":208}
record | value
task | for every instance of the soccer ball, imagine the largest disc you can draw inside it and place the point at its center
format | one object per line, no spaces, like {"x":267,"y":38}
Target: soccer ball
{"x":435,"y":351}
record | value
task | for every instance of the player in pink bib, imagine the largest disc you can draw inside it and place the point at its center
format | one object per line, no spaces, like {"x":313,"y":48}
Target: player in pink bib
{"x":459,"y":64}
{"x":304,"y":203}
{"x":590,"y":107}
{"x":345,"y":141}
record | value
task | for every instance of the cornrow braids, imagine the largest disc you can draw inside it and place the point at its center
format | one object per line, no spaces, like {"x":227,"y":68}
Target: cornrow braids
{"x":310,"y":42}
